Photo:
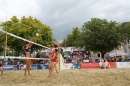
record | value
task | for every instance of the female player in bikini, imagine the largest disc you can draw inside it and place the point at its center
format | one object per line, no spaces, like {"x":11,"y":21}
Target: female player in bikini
{"x":27,"y":48}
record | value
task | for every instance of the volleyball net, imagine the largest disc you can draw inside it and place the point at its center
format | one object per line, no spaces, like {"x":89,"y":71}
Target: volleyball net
{"x":60,"y":59}
{"x":23,"y":39}
{"x":14,"y":57}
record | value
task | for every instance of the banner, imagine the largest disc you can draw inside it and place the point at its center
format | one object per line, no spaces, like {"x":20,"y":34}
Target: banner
{"x":7,"y":67}
{"x":123,"y":64}
{"x":96,"y":65}
{"x":68,"y":66}
{"x":112,"y":64}
{"x":89,"y":65}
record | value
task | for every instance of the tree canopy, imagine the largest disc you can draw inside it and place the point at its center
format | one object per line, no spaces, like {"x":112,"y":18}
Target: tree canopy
{"x":125,"y":31}
{"x":27,"y":27}
{"x":73,"y":38}
{"x":101,"y":35}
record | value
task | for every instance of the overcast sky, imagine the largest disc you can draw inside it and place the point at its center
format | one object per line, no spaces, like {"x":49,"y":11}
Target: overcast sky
{"x":63,"y":15}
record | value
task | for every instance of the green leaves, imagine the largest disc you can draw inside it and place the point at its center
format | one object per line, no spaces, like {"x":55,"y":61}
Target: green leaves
{"x":27,"y":27}
{"x":126,"y":31}
{"x":101,"y":35}
{"x":73,"y":39}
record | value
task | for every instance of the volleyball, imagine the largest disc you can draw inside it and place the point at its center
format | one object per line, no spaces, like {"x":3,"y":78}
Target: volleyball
{"x":37,"y":34}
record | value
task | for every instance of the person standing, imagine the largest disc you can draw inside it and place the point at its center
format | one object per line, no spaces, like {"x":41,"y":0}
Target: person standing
{"x":27,"y":48}
{"x":53,"y":63}
{"x":1,"y":66}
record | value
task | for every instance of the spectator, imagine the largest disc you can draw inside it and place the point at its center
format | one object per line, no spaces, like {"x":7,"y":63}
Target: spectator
{"x":106,"y":64}
{"x":101,"y":63}
{"x":126,"y":59}
{"x":21,"y":66}
{"x":120,"y":59}
{"x":113,"y":59}
{"x":86,"y":60}
{"x":96,"y":60}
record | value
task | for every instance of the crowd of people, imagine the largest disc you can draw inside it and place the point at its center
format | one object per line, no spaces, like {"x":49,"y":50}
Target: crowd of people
{"x":77,"y":57}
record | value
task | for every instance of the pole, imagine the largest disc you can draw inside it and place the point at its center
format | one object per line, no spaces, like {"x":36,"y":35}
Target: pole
{"x":127,"y":46}
{"x":5,"y":38}
{"x":59,"y":60}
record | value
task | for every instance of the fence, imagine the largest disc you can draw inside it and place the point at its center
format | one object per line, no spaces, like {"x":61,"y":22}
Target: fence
{"x":70,"y":66}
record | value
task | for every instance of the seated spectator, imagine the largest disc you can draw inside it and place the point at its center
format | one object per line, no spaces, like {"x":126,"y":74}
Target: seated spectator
{"x":86,"y":60}
{"x":68,"y":60}
{"x":90,"y":59}
{"x":106,"y":64}
{"x":120,"y":59}
{"x":78,"y":60}
{"x":74,"y":61}
{"x":117,"y":59}
{"x":96,"y":60}
{"x":101,"y":64}
{"x":21,"y":66}
{"x":126,"y":59}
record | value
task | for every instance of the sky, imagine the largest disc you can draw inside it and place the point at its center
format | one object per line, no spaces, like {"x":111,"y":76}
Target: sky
{"x":63,"y":15}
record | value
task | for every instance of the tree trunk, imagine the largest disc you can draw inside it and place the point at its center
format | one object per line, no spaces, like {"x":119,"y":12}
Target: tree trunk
{"x":102,"y":54}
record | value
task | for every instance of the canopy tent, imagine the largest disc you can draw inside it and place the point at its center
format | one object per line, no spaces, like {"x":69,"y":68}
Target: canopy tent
{"x":117,"y":53}
{"x":68,"y":49}
{"x":46,"y":51}
{"x":79,"y":49}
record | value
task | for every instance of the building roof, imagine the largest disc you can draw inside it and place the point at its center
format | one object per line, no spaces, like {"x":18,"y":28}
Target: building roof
{"x":124,"y":23}
{"x":57,"y":43}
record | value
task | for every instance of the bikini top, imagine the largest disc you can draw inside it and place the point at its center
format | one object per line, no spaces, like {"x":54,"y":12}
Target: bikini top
{"x":55,"y":58}
{"x":0,"y":64}
{"x":28,"y":50}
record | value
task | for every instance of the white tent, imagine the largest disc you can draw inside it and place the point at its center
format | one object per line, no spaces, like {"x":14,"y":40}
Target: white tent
{"x":79,"y":49}
{"x":68,"y":49}
{"x":117,"y":53}
{"x":46,"y":51}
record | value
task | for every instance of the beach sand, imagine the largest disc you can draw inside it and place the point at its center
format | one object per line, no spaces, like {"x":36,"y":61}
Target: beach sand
{"x":74,"y":77}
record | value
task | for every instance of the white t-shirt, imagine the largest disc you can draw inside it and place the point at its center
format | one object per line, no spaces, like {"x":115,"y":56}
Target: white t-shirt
{"x":101,"y":63}
{"x":106,"y":64}
{"x":85,"y":60}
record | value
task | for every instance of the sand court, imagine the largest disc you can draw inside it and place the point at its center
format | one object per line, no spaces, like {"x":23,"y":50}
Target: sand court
{"x":75,"y":77}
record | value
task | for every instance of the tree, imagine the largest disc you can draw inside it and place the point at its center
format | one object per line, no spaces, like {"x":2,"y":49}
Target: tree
{"x":1,"y":43}
{"x":1,"y":49}
{"x":73,"y":39}
{"x":100,"y":35}
{"x":64,"y":43}
{"x":76,"y":35}
{"x":125,"y":31}
{"x":27,"y":28}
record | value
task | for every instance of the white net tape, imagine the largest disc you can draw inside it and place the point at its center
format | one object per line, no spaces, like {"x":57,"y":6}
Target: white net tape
{"x":24,"y":58}
{"x":23,"y":39}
